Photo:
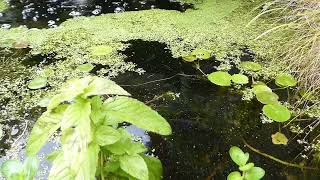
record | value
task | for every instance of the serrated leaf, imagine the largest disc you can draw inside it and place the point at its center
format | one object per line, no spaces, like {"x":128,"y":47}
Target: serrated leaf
{"x":12,"y":170}
{"x":240,"y":79}
{"x":254,"y":173}
{"x":220,"y":78}
{"x":135,"y":166}
{"x":30,"y":167}
{"x":276,"y":112}
{"x":102,"y":86}
{"x":235,"y":175}
{"x":37,"y":83}
{"x":106,"y":135}
{"x":279,"y":138}
{"x":238,"y":156}
{"x":43,"y":129}
{"x":125,"y":109}
{"x":266,"y":97}
{"x":154,"y":167}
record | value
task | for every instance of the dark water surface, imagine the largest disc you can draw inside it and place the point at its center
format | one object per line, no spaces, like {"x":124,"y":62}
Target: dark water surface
{"x":51,"y":13}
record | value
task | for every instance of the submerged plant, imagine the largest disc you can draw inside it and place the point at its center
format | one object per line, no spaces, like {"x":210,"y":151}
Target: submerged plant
{"x":92,"y":142}
{"x":249,"y":171}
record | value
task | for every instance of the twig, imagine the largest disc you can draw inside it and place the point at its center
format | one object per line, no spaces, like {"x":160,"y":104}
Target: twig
{"x":24,"y":130}
{"x":278,"y":160}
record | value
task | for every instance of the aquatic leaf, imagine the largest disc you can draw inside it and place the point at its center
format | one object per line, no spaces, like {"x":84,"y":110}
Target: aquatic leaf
{"x":266,"y":97}
{"x":201,"y":54}
{"x":240,"y":79}
{"x":190,"y":58}
{"x":276,"y":112}
{"x":102,"y":86}
{"x":252,"y":66}
{"x":235,"y":175}
{"x":220,"y":78}
{"x":261,"y":88}
{"x":30,"y":167}
{"x":101,"y":50}
{"x":238,"y":156}
{"x":255,"y":83}
{"x":12,"y":170}
{"x":135,"y":166}
{"x":246,"y":167}
{"x":106,"y":135}
{"x":279,"y":138}
{"x":254,"y":173}
{"x":154,"y":166}
{"x":285,"y":80}
{"x":85,"y":67}
{"x":43,"y":129}
{"x":37,"y":83}
{"x":125,"y":109}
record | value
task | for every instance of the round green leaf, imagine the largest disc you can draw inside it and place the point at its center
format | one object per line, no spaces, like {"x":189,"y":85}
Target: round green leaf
{"x":11,"y":168}
{"x":246,"y":167}
{"x":276,"y":112}
{"x":254,"y":173}
{"x":266,"y":97}
{"x":220,"y":78}
{"x":101,"y":50}
{"x":235,"y":175}
{"x":238,"y":156}
{"x":240,"y":79}
{"x":260,"y":88}
{"x":285,"y":80}
{"x":252,"y":66}
{"x":201,"y":54}
{"x":279,"y":138}
{"x":85,"y":67}
{"x":189,"y":58}
{"x":37,"y":83}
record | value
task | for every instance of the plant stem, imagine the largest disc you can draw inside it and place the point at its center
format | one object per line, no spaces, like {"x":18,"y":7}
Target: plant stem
{"x":101,"y":166}
{"x":278,"y":160}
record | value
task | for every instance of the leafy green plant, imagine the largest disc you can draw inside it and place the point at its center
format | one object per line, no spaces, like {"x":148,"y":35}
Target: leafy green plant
{"x":15,"y":170}
{"x":285,"y":80}
{"x":92,"y":142}
{"x":249,"y":171}
{"x":222,"y":78}
{"x":277,"y":112}
{"x":240,"y":79}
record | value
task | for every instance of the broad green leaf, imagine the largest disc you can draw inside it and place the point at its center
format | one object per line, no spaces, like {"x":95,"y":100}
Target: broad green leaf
{"x":254,"y":173}
{"x":96,"y":115}
{"x":137,"y":113}
{"x":37,"y":83}
{"x":135,"y":166}
{"x":266,"y":97}
{"x":189,"y":58}
{"x":106,"y":135}
{"x":89,"y":163}
{"x":260,"y":88}
{"x":238,"y":156}
{"x":277,"y":112}
{"x":85,"y":67}
{"x":251,"y":66}
{"x":102,"y":86}
{"x":43,"y":129}
{"x":220,"y":78}
{"x":279,"y":138}
{"x":154,"y":166}
{"x":285,"y":80}
{"x":75,"y":114}
{"x":246,"y":167}
{"x":53,"y":155}
{"x":12,"y":170}
{"x":100,"y":50}
{"x":30,"y":167}
{"x":111,"y":166}
{"x":125,"y":145}
{"x":235,"y":175}
{"x":240,"y":79}
{"x":201,"y":54}
{"x":69,"y":91}
{"x":60,"y":169}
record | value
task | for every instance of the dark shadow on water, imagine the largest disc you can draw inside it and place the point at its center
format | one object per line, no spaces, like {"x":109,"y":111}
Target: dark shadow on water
{"x":43,"y":13}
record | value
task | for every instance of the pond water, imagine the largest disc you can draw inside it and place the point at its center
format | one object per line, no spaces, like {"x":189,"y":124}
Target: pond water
{"x":51,"y":13}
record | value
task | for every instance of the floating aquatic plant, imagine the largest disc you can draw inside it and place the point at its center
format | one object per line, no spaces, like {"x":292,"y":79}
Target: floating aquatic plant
{"x":101,"y":50}
{"x":251,"y":66}
{"x":240,"y":79}
{"x":249,"y":171}
{"x":279,"y":138}
{"x":267,"y":97}
{"x":285,"y":80}
{"x":197,"y":54}
{"x":220,"y":78}
{"x":277,"y":112}
{"x":37,"y":83}
{"x":85,"y":67}
{"x":261,"y":88}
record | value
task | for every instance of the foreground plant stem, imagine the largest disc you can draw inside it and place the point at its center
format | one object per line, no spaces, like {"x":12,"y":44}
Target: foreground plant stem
{"x":278,"y":160}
